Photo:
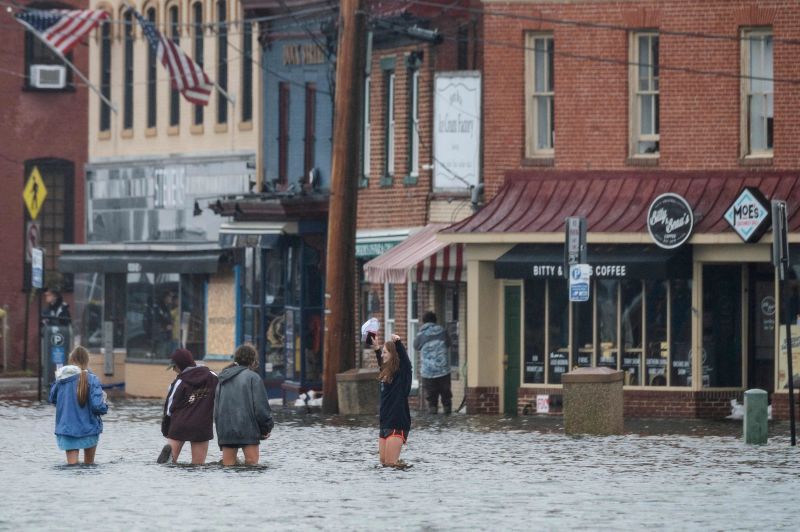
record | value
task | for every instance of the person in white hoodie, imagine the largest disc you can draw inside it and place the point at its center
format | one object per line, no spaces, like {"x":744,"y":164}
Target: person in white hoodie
{"x":80,"y":401}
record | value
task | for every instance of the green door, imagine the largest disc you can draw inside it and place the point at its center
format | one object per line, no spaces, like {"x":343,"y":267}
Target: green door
{"x":511,"y":364}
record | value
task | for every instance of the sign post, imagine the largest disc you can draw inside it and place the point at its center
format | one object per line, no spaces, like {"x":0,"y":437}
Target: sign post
{"x":780,"y":259}
{"x":37,"y":282}
{"x":578,"y":273}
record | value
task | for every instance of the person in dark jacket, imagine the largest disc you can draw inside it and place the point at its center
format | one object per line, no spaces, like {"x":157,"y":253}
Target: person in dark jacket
{"x":433,"y":343}
{"x":395,"y":417}
{"x":57,"y":310}
{"x":80,"y":401}
{"x":241,"y":413}
{"x":188,"y":409}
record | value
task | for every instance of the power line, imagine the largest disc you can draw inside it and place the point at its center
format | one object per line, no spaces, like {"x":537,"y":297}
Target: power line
{"x":593,"y":25}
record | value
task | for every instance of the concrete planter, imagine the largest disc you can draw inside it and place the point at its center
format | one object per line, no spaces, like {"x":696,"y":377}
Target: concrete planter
{"x":359,"y":392}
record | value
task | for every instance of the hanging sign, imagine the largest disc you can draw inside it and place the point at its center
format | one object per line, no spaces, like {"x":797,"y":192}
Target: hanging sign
{"x":749,"y":215}
{"x":670,"y":220}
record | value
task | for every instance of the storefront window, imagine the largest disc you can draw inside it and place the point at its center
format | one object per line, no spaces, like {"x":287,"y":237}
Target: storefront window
{"x":312,"y":344}
{"x":87,"y":320}
{"x":631,"y":327}
{"x":722,"y":325}
{"x":640,"y":327}
{"x":534,"y":331}
{"x":583,"y":322}
{"x":163,"y":312}
{"x":557,"y":329}
{"x":606,"y":294}
{"x":681,"y":331}
{"x":657,"y":354}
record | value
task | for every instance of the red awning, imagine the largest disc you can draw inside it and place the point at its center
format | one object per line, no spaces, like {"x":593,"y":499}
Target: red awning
{"x":421,"y":253}
{"x":617,"y":202}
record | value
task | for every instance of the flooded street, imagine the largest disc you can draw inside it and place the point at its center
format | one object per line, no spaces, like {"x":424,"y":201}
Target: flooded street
{"x":468,"y":473}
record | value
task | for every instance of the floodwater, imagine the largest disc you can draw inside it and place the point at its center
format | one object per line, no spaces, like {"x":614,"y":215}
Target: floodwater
{"x":468,"y":473}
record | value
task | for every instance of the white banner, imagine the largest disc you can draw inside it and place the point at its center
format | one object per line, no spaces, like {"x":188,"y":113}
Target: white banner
{"x":457,"y":130}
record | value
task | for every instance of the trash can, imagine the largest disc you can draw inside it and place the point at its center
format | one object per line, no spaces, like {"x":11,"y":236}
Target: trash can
{"x":359,"y":391}
{"x":593,"y":401}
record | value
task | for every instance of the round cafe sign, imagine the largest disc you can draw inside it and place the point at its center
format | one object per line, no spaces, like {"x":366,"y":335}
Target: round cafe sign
{"x":670,"y":220}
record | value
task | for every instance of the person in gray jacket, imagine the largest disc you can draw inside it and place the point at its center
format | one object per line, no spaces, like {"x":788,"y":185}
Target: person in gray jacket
{"x":241,"y":413}
{"x":433,"y":343}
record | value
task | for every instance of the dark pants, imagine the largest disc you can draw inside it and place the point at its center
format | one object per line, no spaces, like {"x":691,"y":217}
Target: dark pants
{"x":436,"y":387}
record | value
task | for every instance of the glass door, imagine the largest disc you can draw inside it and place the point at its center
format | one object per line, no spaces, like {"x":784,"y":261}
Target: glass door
{"x":761,"y":348}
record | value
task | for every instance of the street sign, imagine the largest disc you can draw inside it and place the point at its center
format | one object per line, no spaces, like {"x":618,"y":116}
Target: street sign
{"x":37,"y":267}
{"x":579,"y":276}
{"x":32,"y":231}
{"x":34,"y":193}
{"x":780,"y":241}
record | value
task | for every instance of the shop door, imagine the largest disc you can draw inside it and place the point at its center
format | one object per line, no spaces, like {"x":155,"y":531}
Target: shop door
{"x":761,"y":352}
{"x":511,"y":356}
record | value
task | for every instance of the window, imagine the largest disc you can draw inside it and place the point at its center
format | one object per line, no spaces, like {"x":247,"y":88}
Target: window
{"x":413,"y":125}
{"x":413,"y":329}
{"x":105,"y":74}
{"x":283,"y":131}
{"x":462,"y":48}
{"x":37,"y":53}
{"x":640,"y":327}
{"x":163,"y":312}
{"x":127,"y":113}
{"x":757,"y":111}
{"x":99,"y":298}
{"x":152,"y":78}
{"x":222,"y":61}
{"x":309,"y":143}
{"x":174,"y":94}
{"x":56,"y":216}
{"x":389,"y":78}
{"x":540,"y":134}
{"x":367,"y":131}
{"x":722,"y":326}
{"x":197,"y":16}
{"x":247,"y":72}
{"x":644,"y":96}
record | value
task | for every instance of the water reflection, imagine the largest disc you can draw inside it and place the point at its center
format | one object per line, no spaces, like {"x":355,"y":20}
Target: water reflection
{"x":469,"y":472}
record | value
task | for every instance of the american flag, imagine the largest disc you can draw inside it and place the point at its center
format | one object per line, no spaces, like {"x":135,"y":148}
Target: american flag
{"x":62,"y":29}
{"x":186,"y":75}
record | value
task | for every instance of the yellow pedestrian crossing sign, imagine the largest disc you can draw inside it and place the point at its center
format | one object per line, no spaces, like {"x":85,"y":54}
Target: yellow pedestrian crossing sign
{"x":34,"y":194}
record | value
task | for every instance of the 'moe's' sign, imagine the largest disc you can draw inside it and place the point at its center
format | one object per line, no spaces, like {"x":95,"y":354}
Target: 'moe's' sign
{"x":749,"y":215}
{"x":670,"y":221}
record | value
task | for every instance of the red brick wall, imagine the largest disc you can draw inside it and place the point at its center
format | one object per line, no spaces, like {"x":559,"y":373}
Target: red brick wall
{"x":34,"y":125}
{"x":483,"y":400}
{"x":780,"y":406}
{"x":657,"y":403}
{"x":699,"y":113}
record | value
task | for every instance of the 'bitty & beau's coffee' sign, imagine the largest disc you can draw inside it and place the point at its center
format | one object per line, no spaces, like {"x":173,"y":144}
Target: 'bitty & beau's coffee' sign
{"x":670,"y":220}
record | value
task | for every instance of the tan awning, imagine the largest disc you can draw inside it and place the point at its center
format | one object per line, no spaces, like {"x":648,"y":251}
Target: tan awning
{"x":422,"y":254}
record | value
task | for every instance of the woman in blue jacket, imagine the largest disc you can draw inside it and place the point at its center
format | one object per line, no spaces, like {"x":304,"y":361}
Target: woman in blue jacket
{"x":80,"y":401}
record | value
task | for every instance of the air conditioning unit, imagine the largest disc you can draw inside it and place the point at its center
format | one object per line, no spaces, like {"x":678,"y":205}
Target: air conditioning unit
{"x":48,"y":76}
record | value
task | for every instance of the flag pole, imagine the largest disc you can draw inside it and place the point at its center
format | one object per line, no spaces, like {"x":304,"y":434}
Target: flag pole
{"x":227,"y":96}
{"x":69,"y":64}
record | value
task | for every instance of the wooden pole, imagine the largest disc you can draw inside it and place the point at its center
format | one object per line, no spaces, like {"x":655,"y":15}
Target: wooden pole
{"x":340,"y":267}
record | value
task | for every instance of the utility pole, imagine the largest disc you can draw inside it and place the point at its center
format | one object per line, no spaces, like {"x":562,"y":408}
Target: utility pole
{"x":339,"y":334}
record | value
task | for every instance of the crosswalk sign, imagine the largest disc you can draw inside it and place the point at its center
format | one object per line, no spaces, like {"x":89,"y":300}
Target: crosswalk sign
{"x":34,"y":193}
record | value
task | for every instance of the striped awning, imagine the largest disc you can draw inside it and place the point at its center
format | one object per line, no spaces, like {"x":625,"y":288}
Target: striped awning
{"x":421,"y":254}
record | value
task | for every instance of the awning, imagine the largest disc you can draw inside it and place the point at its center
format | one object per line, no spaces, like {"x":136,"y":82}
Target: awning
{"x":612,"y":261}
{"x":421,"y":253}
{"x":254,"y":234}
{"x":134,"y":259}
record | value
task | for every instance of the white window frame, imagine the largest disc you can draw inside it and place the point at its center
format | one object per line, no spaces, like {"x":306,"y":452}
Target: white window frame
{"x":637,"y":95}
{"x":747,"y":92}
{"x":367,"y":129}
{"x":413,"y":326}
{"x":389,"y":318}
{"x":532,"y":114}
{"x":414,"y":163}
{"x":390,"y":130}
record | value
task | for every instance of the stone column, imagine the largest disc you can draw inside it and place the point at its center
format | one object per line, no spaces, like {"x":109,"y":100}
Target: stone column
{"x":593,"y":401}
{"x":755,"y":417}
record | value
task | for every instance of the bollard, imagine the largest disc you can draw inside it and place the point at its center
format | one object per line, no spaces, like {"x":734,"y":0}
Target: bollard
{"x":755,"y":417}
{"x":593,"y":401}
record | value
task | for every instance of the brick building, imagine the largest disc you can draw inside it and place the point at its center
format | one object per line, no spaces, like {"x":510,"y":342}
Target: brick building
{"x":650,"y":120}
{"x":403,"y":269}
{"x":46,"y":129}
